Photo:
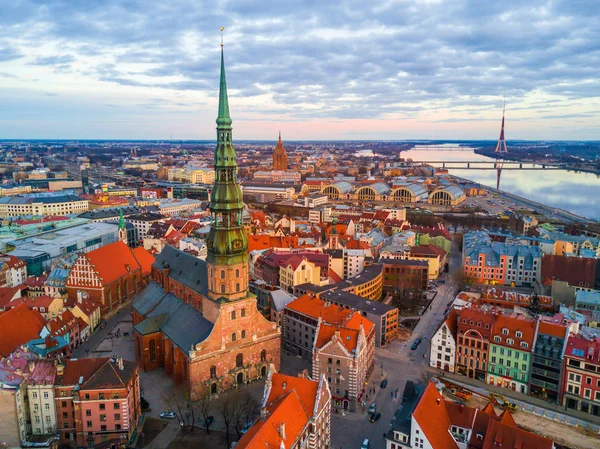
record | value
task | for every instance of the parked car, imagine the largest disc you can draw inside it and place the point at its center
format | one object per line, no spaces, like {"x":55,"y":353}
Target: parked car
{"x":375,"y":416}
{"x":167,"y":415}
{"x":442,"y":281}
{"x":366,"y":444}
{"x":415,"y":344}
{"x":246,"y":428}
{"x":383,"y":383}
{"x":209,"y":421}
{"x":372,"y":407}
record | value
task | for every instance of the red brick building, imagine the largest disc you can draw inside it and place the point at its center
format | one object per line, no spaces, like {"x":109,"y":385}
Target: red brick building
{"x":177,"y":328}
{"x":581,"y":375}
{"x":402,"y":275}
{"x":97,"y":400}
{"x":474,"y":332}
{"x":110,"y":275}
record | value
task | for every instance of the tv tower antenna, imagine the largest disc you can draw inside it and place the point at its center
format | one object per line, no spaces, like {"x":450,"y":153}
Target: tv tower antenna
{"x":501,"y":148}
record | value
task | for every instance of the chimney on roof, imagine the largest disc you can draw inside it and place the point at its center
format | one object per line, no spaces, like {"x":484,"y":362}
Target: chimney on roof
{"x":120,"y":363}
{"x":284,"y":385}
{"x":438,"y":400}
{"x":31,"y":366}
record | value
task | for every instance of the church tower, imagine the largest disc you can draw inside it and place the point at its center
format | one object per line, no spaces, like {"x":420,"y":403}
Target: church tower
{"x":280,"y":158}
{"x":227,"y":240}
{"x":122,"y":228}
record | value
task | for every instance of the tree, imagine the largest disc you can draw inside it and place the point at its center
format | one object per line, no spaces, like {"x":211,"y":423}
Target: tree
{"x":463,"y":280}
{"x":203,"y":404}
{"x":179,"y":403}
{"x":246,"y":409}
{"x":227,"y":412}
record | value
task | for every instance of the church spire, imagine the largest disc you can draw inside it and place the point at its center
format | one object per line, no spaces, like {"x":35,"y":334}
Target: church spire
{"x":121,"y":219}
{"x":223,"y":117}
{"x":227,"y":241}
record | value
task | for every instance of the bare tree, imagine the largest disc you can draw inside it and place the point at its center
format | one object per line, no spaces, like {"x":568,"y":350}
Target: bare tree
{"x":246,"y":410}
{"x":227,"y":411}
{"x":179,"y":403}
{"x":203,"y":404}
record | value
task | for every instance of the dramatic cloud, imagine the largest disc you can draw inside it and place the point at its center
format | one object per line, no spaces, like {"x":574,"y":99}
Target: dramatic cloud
{"x":421,"y":68}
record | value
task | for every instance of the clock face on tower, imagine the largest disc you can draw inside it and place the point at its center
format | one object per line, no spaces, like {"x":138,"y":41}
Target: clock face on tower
{"x":237,"y":244}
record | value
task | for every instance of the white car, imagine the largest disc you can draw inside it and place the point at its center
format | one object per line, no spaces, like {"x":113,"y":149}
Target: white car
{"x":366,"y":444}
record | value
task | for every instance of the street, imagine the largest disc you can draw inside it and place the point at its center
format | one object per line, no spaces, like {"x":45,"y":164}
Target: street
{"x":400,"y":364}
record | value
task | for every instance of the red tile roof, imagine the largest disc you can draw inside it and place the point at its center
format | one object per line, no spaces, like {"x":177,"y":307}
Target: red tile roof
{"x":577,"y":271}
{"x":432,"y":416}
{"x":305,"y":388}
{"x":461,"y":415}
{"x":145,"y":258}
{"x":8,"y":293}
{"x":315,"y":308}
{"x":427,"y":251}
{"x":13,"y":262}
{"x":113,"y":261}
{"x":347,"y":337}
{"x":500,"y":435}
{"x":514,"y":325}
{"x":18,"y":326}
{"x":285,"y":417}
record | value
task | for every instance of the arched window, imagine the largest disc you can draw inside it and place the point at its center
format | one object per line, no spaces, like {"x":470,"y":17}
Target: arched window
{"x":243,"y":334}
{"x":243,"y":312}
{"x":233,"y":315}
{"x":233,"y":337}
{"x":152,"y":348}
{"x":213,"y":388}
{"x":237,"y":273}
{"x":222,"y":288}
{"x":239,"y":360}
{"x":237,"y":287}
{"x":222,"y":274}
{"x":213,"y":372}
{"x":263,"y":355}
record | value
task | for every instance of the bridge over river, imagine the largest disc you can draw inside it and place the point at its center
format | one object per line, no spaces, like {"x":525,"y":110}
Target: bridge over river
{"x":497,"y":165}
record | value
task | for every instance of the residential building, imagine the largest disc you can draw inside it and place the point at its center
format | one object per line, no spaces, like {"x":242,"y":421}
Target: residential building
{"x":429,"y":421}
{"x":487,"y":262}
{"x":42,"y":204}
{"x":142,"y":223}
{"x":581,"y":375}
{"x":509,"y":359}
{"x":434,"y":256}
{"x":547,"y":357}
{"x":344,"y":354}
{"x":301,"y":319}
{"x":97,"y":401}
{"x":168,"y":206}
{"x":383,"y":316}
{"x":474,"y":331}
{"x":110,"y":275}
{"x":264,"y":194}
{"x":277,"y":176}
{"x":298,"y":270}
{"x":405,"y":275}
{"x":14,"y":270}
{"x":295,"y":413}
{"x":15,"y":422}
{"x":192,"y":175}
{"x":587,"y":300}
{"x":442,"y":353}
{"x":40,"y":395}
{"x":354,"y":262}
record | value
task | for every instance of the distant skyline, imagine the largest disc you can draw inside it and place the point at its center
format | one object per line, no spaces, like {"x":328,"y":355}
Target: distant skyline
{"x":429,"y":69}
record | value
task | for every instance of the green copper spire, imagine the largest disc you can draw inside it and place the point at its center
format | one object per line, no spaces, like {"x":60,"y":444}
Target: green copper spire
{"x":121,"y":219}
{"x":223,"y":117}
{"x":228,"y":243}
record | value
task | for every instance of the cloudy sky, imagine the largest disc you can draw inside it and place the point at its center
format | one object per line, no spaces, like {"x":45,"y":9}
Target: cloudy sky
{"x":313,"y":69}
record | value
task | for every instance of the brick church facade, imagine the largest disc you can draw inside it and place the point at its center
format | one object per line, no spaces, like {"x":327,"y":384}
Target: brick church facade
{"x":198,"y":319}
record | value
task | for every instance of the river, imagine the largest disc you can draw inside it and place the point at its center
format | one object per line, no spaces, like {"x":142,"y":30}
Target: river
{"x":575,"y":192}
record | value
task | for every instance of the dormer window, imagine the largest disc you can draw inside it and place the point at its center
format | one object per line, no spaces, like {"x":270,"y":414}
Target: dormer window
{"x":519,"y":334}
{"x":510,"y":341}
{"x":524,"y":345}
{"x":505,"y":331}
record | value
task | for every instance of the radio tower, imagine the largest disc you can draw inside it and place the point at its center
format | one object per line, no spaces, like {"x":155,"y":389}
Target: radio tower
{"x":501,"y":149}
